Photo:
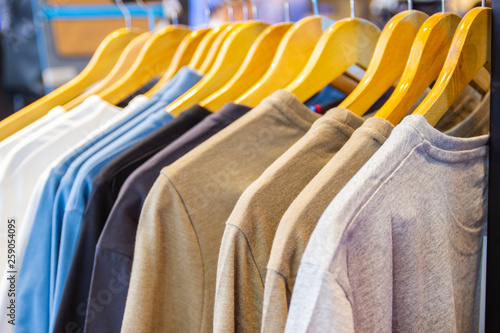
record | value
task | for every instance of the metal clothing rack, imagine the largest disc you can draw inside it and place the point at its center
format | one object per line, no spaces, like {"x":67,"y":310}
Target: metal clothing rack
{"x":492,"y":318}
{"x":43,"y":13}
{"x":492,"y":311}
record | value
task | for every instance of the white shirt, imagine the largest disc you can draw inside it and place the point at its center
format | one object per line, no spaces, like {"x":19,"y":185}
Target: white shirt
{"x":22,"y":234}
{"x":28,"y":160}
{"x":32,"y":206}
{"x":33,"y":141}
{"x":7,"y":144}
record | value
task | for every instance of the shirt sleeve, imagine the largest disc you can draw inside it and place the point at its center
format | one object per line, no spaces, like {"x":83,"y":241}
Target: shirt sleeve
{"x":276,"y":301}
{"x":77,"y":286}
{"x":319,"y":302}
{"x":166,"y":284}
{"x":238,"y":279}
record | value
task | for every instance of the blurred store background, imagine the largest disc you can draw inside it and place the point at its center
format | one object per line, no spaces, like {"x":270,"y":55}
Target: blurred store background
{"x":45,"y":43}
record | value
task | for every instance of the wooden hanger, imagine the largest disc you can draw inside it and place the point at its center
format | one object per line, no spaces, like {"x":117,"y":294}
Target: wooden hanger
{"x":388,"y":61}
{"x":427,"y":56}
{"x":99,"y":65}
{"x":345,"y":83}
{"x":346,"y":43}
{"x":129,"y":55}
{"x":292,"y":54}
{"x":230,"y":58}
{"x":253,"y":68}
{"x":216,"y":47}
{"x":469,"y":52}
{"x":182,"y":56}
{"x":154,"y":58}
{"x":205,"y":46}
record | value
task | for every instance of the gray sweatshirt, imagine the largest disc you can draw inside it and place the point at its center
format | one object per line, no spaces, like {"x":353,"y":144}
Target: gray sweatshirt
{"x":398,"y":249}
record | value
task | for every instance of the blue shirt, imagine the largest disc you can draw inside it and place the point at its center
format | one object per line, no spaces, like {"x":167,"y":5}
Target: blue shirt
{"x":81,"y":187}
{"x":37,"y":276}
{"x":327,"y":95}
{"x":80,"y":191}
{"x":165,"y":93}
{"x":184,"y":80}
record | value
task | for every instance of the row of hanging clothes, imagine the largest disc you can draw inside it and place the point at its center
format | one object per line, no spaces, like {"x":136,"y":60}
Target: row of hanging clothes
{"x":301,"y":177}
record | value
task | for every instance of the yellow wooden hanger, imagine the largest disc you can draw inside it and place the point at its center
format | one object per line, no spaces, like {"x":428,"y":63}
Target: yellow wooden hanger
{"x":230,"y":58}
{"x":187,"y":50}
{"x":154,"y":58}
{"x":216,"y":47}
{"x":292,"y":54}
{"x":253,"y":68}
{"x":127,"y":58}
{"x":347,"y":42}
{"x":99,"y":65}
{"x":205,"y":46}
{"x":388,"y":61}
{"x":426,"y":60}
{"x":182,"y":56}
{"x":469,"y":52}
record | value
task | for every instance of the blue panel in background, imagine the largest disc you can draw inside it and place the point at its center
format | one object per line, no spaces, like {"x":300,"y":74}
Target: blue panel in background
{"x":79,"y":12}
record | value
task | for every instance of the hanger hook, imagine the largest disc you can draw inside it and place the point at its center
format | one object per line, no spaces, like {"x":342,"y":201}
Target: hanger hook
{"x":150,"y":13}
{"x":208,"y":12}
{"x":410,"y":4}
{"x":170,"y":8}
{"x":125,"y":12}
{"x":352,"y":9}
{"x":174,"y":18}
{"x":315,"y":8}
{"x":229,"y":10}
{"x":255,"y":13}
{"x":287,"y":10}
{"x":245,"y":10}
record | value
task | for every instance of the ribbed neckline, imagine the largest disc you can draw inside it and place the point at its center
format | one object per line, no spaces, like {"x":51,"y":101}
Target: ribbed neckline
{"x":137,"y":101}
{"x":442,"y":146}
{"x":344,"y":116}
{"x":293,"y":109}
{"x":475,"y":121}
{"x":93,"y":102}
{"x":337,"y":120}
{"x":380,"y":127}
{"x":195,"y":111}
{"x":58,"y":110}
{"x":231,"y":111}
